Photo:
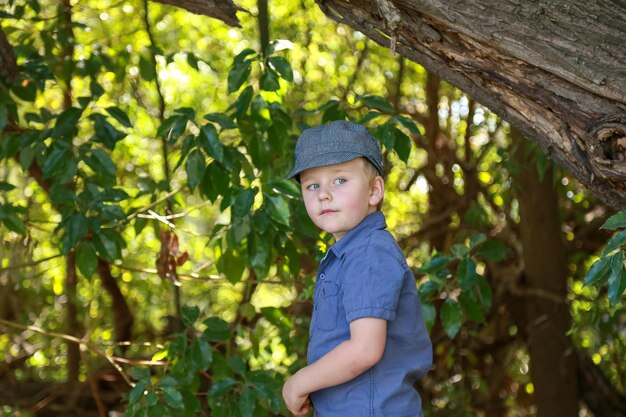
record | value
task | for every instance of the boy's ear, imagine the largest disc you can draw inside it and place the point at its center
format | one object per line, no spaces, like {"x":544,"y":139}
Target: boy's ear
{"x":377,"y":191}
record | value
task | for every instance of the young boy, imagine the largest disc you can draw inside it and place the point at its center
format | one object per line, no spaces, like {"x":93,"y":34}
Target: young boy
{"x":368,"y":343}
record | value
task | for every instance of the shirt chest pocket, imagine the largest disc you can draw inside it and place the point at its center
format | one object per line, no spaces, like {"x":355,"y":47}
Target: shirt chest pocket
{"x":327,"y":306}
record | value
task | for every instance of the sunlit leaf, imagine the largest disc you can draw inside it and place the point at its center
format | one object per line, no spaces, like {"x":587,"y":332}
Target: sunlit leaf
{"x":402,"y":145}
{"x":119,"y":115}
{"x":377,"y":102}
{"x":599,"y":272}
{"x":616,"y":221}
{"x":224,"y":120}
{"x":238,"y":75}
{"x":282,"y":66}
{"x":617,"y":241}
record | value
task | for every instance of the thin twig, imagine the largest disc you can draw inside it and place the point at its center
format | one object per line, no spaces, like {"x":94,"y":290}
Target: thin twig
{"x":31,"y":263}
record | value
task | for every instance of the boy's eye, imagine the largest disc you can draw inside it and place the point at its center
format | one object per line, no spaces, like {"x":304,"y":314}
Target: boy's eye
{"x":312,"y":187}
{"x":340,"y":181}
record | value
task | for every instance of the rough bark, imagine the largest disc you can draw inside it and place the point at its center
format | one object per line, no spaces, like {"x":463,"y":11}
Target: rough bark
{"x":553,"y":364}
{"x":556,"y":70}
{"x":224,"y":10}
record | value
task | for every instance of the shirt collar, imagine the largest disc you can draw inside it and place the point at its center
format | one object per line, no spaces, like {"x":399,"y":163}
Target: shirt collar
{"x":361,"y":232}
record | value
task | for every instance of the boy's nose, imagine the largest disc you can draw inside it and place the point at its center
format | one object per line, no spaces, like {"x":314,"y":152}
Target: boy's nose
{"x":324,"y":194}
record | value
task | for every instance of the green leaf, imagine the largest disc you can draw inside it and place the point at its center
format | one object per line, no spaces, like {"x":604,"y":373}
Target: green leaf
{"x":459,"y":250}
{"x":146,"y":69}
{"x":195,"y":168}
{"x":429,"y":313}
{"x":493,"y":250}
{"x":377,"y":102}
{"x":5,"y":186}
{"x":387,"y":136}
{"x":221,"y":387}
{"x":224,"y":120}
{"x":232,"y":266}
{"x":108,"y":244}
{"x":278,"y":209}
{"x":269,"y":81}
{"x":101,"y":163}
{"x":243,"y":202}
{"x":616,"y":241}
{"x":247,"y":402}
{"x":485,"y":293}
{"x":216,"y":329}
{"x":409,"y":124}
{"x":54,"y":161}
{"x":238,"y":75}
{"x":86,"y":259}
{"x":210,"y":143}
{"x":137,"y":392}
{"x":105,"y":132}
{"x":66,"y":123}
{"x":402,"y":145}
{"x":259,"y":254}
{"x":13,"y":222}
{"x":476,"y":239}
{"x":173,"y":398}
{"x":282,"y":66}
{"x":141,"y":373}
{"x":599,"y":272}
{"x":75,"y":228}
{"x":436,"y":263}
{"x":215,"y":181}
{"x":241,"y":56}
{"x":616,"y":221}
{"x":172,"y":127}
{"x":617,"y":285}
{"x":119,"y":115}
{"x":243,"y":101}
{"x":451,"y":317}
{"x":190,"y":315}
{"x":201,"y":354}
{"x":472,"y":307}
{"x":466,"y":274}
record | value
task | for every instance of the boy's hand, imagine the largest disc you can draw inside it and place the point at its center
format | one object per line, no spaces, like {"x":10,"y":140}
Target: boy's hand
{"x":298,"y":403}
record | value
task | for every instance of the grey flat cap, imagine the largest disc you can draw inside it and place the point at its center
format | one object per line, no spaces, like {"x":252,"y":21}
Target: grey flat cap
{"x":335,"y":143}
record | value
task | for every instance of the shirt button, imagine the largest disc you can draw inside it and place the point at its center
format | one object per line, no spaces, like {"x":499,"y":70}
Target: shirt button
{"x":322,"y":275}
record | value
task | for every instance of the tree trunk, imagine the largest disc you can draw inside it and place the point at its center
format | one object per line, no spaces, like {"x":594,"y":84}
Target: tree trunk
{"x":224,"y":10}
{"x":554,"y":69}
{"x":123,"y":316}
{"x":74,"y":327}
{"x":553,"y":364}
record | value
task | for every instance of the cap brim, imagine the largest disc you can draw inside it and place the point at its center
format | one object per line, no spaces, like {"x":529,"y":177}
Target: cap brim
{"x":323,"y":160}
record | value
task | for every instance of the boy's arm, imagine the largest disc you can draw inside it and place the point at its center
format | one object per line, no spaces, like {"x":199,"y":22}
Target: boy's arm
{"x":346,"y":361}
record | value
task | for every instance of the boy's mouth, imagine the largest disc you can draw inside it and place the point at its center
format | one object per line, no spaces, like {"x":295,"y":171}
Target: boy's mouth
{"x":328,"y":211}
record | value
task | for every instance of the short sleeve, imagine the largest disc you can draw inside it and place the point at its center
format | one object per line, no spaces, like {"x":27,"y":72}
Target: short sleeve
{"x":372,"y":281}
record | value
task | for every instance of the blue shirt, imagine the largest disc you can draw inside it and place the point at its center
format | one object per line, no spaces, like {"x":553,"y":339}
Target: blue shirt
{"x":365,"y":275}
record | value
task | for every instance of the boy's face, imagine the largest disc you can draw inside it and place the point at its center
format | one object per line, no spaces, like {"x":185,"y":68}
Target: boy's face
{"x":338,"y":197}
